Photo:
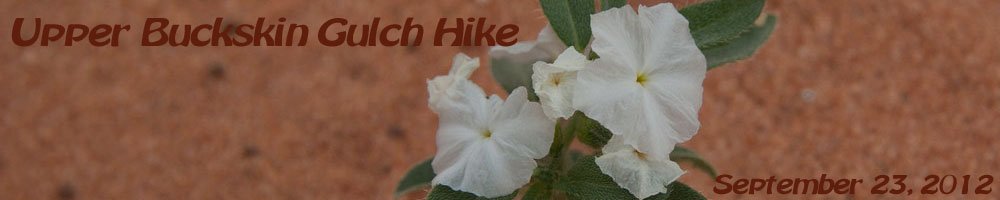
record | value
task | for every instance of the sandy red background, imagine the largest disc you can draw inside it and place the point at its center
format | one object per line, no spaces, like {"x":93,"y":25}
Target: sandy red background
{"x":852,"y":89}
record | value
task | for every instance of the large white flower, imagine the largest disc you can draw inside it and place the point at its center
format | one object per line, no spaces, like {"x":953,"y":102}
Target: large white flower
{"x":646,"y":85}
{"x":447,"y":87}
{"x":486,"y":146}
{"x":554,"y":83}
{"x":641,"y":175}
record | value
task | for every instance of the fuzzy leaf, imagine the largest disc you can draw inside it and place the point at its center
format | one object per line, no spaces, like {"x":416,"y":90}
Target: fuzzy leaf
{"x":680,"y":191}
{"x":718,"y":21}
{"x":538,"y":191}
{"x":592,"y":133}
{"x":609,"y":4}
{"x":585,"y":181}
{"x":511,"y":75}
{"x":681,"y":154}
{"x":741,"y":47}
{"x":419,"y":176}
{"x":443,"y":192}
{"x":570,"y":19}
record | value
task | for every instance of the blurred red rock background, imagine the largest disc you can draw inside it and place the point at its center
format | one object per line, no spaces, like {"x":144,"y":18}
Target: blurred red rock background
{"x":852,"y":89}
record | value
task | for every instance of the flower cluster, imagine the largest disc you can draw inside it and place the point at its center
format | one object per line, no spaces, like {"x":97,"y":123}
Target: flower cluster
{"x":645,"y":87}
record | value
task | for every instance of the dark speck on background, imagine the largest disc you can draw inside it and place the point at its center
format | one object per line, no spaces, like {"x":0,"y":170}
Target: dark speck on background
{"x":66,"y":192}
{"x":360,"y":71}
{"x":250,"y":151}
{"x":217,"y":71}
{"x":396,"y":132}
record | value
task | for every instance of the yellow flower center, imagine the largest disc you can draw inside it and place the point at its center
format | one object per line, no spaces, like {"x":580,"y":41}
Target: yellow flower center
{"x":556,"y":79}
{"x":639,"y":154}
{"x":641,"y":79}
{"x":487,"y":134}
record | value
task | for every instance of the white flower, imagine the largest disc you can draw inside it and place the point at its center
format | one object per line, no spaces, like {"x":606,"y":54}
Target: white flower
{"x":486,"y":146}
{"x":554,"y":83}
{"x":446,"y":87}
{"x":641,"y":175}
{"x":646,"y":85}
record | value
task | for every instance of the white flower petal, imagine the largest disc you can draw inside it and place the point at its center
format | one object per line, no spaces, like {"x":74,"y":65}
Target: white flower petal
{"x":522,"y":127}
{"x":641,"y":175}
{"x":553,"y":83}
{"x":646,"y":86}
{"x":618,"y":36}
{"x":677,"y":101}
{"x":460,"y":96}
{"x":545,"y":48}
{"x":486,"y":170}
{"x":570,"y":60}
{"x":463,"y":66}
{"x":447,"y":87}
{"x":672,"y":48}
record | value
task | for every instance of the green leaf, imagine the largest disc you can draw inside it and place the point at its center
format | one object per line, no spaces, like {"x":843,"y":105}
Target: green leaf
{"x":541,"y":187}
{"x":609,"y":4}
{"x":740,"y":47}
{"x":680,"y":191}
{"x":570,"y":19}
{"x":419,"y":176}
{"x":538,"y":191}
{"x":681,"y":154}
{"x":585,"y":181}
{"x":443,"y":192}
{"x":718,"y":21}
{"x":591,"y":132}
{"x":511,"y":75}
